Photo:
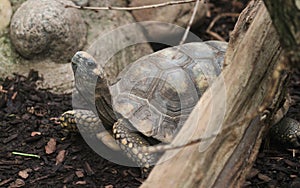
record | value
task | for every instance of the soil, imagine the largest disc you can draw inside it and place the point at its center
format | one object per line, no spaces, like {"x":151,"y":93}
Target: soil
{"x":62,"y":159}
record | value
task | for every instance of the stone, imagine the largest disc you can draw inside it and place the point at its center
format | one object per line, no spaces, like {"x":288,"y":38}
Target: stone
{"x":5,"y":13}
{"x":42,"y":29}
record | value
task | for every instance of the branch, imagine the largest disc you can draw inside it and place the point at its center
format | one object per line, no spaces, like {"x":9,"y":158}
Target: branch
{"x":134,"y":8}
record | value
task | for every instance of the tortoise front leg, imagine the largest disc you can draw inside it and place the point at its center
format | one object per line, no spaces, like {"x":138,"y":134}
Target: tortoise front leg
{"x":87,"y":121}
{"x":89,"y":124}
{"x":129,"y":141}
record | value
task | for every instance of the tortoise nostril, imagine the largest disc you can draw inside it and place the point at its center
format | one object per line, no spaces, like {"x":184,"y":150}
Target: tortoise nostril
{"x":75,"y":59}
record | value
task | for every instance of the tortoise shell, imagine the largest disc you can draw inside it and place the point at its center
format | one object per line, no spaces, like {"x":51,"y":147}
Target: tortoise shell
{"x":157,"y":92}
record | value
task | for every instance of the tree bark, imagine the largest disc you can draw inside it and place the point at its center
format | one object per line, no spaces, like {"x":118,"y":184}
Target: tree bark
{"x":285,"y":15}
{"x":250,"y":81}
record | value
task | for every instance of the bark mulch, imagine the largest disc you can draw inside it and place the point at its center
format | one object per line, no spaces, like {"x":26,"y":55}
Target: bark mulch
{"x":26,"y":126}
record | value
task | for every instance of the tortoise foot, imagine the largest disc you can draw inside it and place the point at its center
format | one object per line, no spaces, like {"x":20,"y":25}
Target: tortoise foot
{"x":130,"y":142}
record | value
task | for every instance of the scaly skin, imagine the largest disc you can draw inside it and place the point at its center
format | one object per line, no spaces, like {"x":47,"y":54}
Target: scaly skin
{"x":88,"y":122}
{"x":286,"y":133}
{"x":127,"y":140}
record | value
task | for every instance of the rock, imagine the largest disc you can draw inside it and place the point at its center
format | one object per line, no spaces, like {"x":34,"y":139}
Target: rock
{"x":59,"y":76}
{"x":42,"y":28}
{"x":5,"y":13}
{"x":175,"y":14}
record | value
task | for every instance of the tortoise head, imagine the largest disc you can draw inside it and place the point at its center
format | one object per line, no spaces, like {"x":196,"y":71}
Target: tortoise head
{"x":85,"y":65}
{"x":86,"y":72}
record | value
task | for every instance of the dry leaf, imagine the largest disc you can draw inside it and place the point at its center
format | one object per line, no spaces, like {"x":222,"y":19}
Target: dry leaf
{"x":253,"y":172}
{"x":17,"y":183}
{"x":34,"y":133}
{"x":60,"y":156}
{"x":24,"y":173}
{"x":79,"y":174}
{"x":51,"y":146}
{"x":264,"y":177}
{"x":80,"y":183}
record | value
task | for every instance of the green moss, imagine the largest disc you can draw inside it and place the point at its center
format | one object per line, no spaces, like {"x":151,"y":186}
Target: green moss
{"x":7,"y":53}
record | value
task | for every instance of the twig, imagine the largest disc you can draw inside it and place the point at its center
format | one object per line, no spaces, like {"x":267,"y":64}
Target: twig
{"x":25,"y":154}
{"x":188,"y":27}
{"x":40,"y":178}
{"x":213,"y":22}
{"x":133,"y":8}
{"x":190,"y":23}
{"x":13,"y":97}
{"x":2,"y":90}
{"x":15,"y":162}
{"x":215,"y":35}
{"x":5,"y":181}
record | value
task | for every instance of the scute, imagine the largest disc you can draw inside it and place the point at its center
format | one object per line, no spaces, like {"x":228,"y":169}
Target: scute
{"x":147,"y":120}
{"x":138,"y":112}
{"x":174,"y":92}
{"x":196,"y":51}
{"x":127,"y":104}
{"x":169,"y":59}
{"x":203,"y":72}
{"x":138,"y":79}
{"x":165,"y":99}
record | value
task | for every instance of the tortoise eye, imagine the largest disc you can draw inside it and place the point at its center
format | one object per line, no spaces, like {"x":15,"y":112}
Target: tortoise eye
{"x":90,"y":63}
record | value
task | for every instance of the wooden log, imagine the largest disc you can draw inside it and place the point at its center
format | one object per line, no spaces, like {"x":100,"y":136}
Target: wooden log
{"x":285,"y":15}
{"x":251,"y":81}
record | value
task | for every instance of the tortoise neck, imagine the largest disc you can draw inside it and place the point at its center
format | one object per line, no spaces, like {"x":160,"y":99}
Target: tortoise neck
{"x":103,"y":101}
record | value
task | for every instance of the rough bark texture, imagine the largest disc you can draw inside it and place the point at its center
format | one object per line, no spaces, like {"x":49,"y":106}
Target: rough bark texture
{"x":285,"y":15}
{"x":247,"y":83}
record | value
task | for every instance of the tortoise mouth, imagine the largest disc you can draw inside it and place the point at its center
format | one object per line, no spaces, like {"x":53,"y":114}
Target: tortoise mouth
{"x":74,"y":66}
{"x":74,"y":61}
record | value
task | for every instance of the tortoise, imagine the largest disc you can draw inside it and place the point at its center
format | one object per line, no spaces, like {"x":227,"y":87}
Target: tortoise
{"x":151,"y":98}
